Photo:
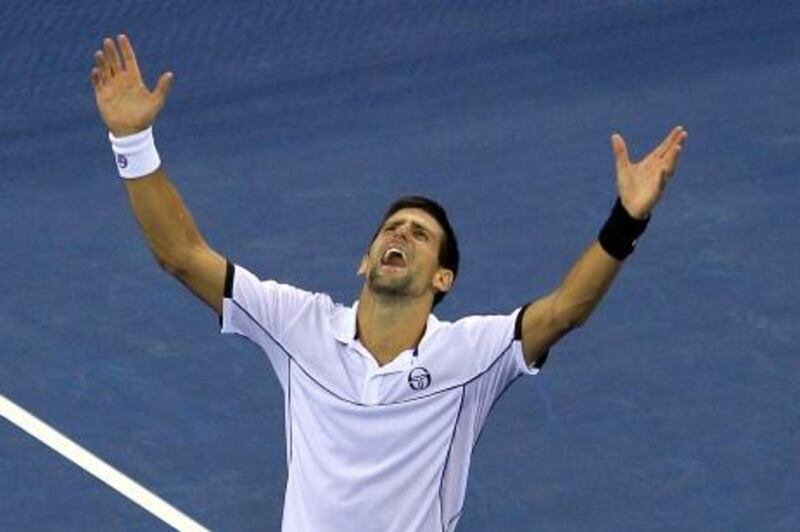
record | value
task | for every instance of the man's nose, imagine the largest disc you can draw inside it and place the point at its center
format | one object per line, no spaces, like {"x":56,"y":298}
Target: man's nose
{"x":402,"y":230}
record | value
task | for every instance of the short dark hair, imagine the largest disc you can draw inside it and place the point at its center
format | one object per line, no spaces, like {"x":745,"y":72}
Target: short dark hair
{"x":448,"y":250}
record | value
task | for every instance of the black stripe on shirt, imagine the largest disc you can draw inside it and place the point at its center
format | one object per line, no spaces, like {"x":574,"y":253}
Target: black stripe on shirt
{"x":518,"y":336}
{"x":228,"y":290}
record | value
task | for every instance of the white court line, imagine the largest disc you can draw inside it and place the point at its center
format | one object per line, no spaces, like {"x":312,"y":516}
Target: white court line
{"x":97,"y":467}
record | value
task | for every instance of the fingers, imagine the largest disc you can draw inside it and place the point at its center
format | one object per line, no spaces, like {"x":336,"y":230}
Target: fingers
{"x":671,"y":159}
{"x":673,"y":150}
{"x":102,"y":65}
{"x":110,"y":63}
{"x":111,"y":57}
{"x":620,"y":151}
{"x":97,"y":80}
{"x":163,"y":86}
{"x":103,"y":72}
{"x":662,"y":148}
{"x":674,"y":138}
{"x":128,"y":55}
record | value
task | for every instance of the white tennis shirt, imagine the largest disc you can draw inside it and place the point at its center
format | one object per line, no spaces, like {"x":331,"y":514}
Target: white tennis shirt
{"x":373,"y":448}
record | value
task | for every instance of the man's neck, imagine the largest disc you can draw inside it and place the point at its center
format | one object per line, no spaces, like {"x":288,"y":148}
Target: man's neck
{"x":389,"y":327}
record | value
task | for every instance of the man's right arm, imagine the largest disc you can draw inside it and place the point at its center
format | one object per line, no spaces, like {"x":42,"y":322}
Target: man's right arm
{"x":177,"y":244}
{"x":128,"y":107}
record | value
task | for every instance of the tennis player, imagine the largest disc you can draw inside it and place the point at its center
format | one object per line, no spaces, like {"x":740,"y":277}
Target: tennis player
{"x":384,"y":403}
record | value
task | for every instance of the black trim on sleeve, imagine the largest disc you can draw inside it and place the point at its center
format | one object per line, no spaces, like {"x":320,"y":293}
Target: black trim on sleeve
{"x":228,"y":290}
{"x":518,"y":337}
{"x":518,"y":323}
{"x":541,"y":360}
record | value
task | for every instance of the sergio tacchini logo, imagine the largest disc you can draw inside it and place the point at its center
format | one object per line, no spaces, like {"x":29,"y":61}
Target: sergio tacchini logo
{"x":419,"y":379}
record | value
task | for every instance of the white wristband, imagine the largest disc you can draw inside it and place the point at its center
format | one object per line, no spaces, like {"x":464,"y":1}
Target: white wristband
{"x":136,"y":154}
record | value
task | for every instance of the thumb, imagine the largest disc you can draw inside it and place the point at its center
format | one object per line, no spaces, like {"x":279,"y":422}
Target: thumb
{"x":620,"y":151}
{"x":163,"y":86}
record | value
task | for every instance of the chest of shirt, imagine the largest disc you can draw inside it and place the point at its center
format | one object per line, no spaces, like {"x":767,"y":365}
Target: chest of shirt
{"x":349,"y":372}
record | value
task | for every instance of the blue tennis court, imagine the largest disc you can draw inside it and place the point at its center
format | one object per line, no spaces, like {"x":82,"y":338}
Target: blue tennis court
{"x":289,"y":129}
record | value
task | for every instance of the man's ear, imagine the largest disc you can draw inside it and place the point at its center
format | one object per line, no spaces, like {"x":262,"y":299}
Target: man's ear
{"x":443,"y":280}
{"x":362,"y":267}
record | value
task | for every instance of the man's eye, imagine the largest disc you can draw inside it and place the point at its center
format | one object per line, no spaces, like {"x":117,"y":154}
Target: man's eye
{"x":422,"y":235}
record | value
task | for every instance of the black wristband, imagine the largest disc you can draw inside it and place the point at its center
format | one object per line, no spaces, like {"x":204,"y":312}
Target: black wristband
{"x":620,"y":232}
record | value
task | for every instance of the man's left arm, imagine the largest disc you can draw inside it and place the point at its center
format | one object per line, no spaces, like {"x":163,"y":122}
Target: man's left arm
{"x":640,"y":186}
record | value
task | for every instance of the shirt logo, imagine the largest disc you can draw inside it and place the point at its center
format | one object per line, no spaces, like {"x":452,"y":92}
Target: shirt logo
{"x":419,"y":379}
{"x":122,"y":161}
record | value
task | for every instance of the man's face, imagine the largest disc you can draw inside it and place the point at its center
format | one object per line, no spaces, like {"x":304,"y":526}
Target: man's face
{"x":403,"y":260}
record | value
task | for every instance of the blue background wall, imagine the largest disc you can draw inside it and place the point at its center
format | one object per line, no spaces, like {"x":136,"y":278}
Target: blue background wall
{"x":290,"y":127}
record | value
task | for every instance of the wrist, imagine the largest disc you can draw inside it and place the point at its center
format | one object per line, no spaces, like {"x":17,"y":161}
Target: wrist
{"x":633,"y":213}
{"x":125,"y":132}
{"x":136,"y":155}
{"x":621,"y":232}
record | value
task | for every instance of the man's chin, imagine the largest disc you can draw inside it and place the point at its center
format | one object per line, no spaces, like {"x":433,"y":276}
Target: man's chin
{"x":389,"y":285}
{"x":390,"y":270}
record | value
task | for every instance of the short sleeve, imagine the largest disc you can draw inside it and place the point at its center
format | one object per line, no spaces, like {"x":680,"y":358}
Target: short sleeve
{"x":265,"y":311}
{"x":494,"y":340}
{"x":497,"y":351}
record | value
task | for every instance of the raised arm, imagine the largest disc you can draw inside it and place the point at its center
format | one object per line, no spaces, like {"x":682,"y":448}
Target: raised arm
{"x":640,"y":186}
{"x":129,"y":108}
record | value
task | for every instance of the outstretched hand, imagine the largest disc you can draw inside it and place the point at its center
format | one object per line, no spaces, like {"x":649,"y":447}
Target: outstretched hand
{"x":641,"y":184}
{"x":126,"y":105}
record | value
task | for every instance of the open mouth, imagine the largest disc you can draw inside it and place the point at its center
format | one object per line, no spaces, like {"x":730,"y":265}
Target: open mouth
{"x":394,"y":257}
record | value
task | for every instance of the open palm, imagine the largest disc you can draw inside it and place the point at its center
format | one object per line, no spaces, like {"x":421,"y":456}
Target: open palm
{"x":126,"y":105}
{"x":641,"y":184}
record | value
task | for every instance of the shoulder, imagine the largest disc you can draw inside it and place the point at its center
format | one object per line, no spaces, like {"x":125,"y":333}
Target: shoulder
{"x":275,"y":305}
{"x":474,"y":341}
{"x":479,"y":327}
{"x":241,"y":282}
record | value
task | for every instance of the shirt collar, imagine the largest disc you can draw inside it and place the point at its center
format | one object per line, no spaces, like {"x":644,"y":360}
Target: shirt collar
{"x":343,"y":323}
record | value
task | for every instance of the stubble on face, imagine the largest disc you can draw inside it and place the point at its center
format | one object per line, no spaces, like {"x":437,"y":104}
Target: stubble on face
{"x":396,"y":287}
{"x":419,"y":241}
